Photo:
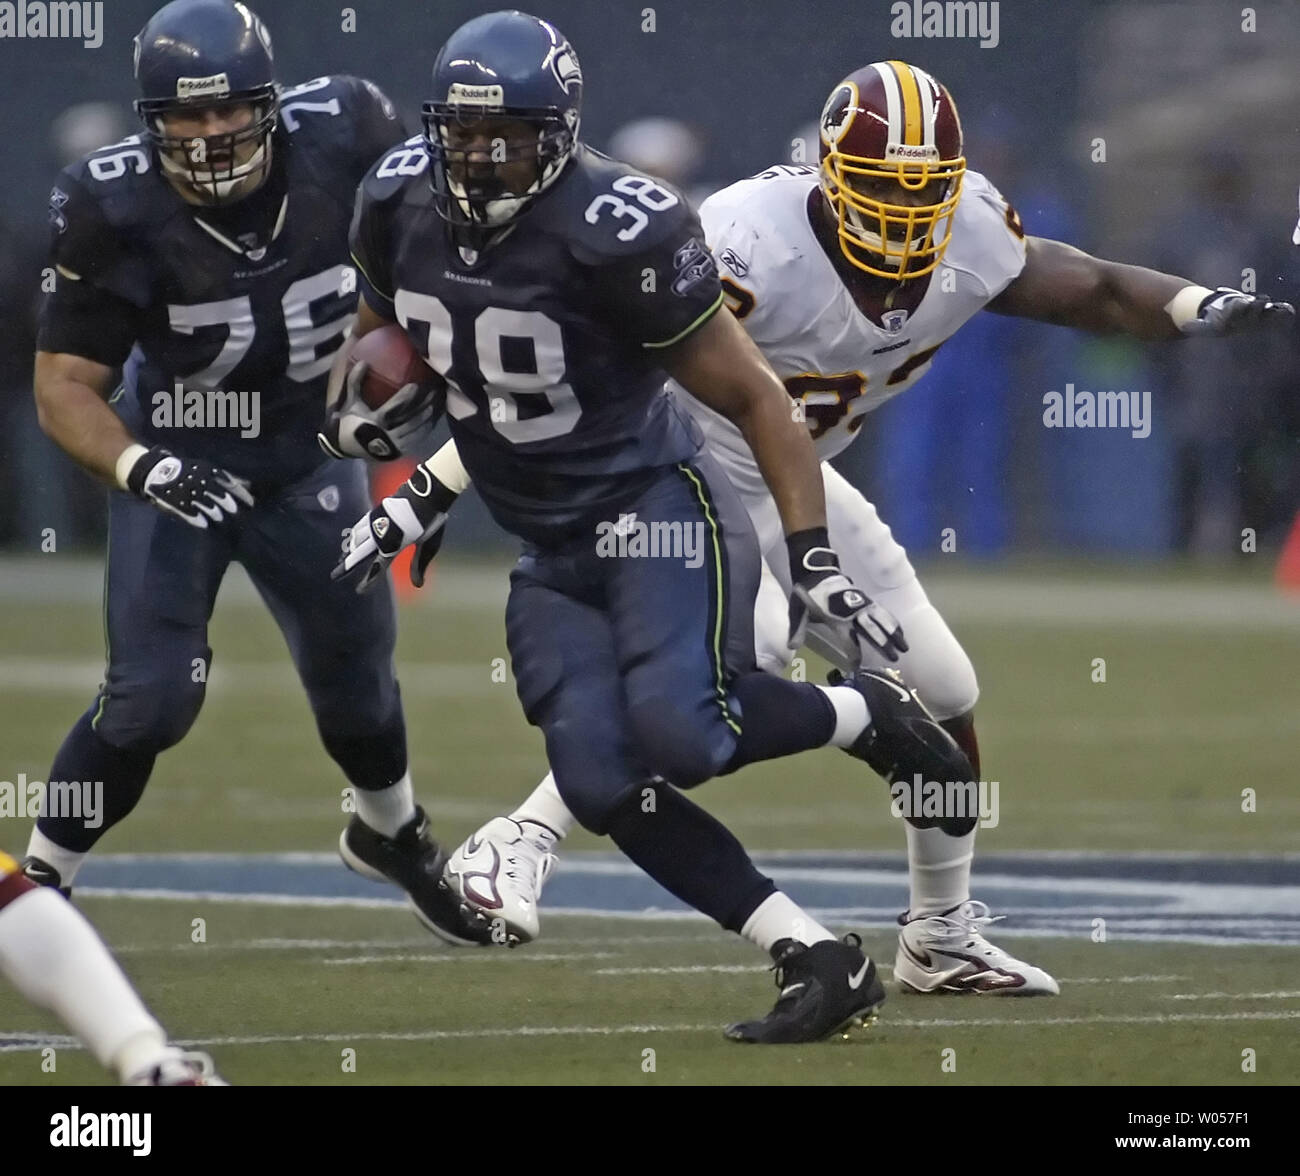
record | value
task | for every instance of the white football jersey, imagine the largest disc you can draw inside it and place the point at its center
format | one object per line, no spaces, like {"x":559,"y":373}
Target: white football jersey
{"x":796,"y":307}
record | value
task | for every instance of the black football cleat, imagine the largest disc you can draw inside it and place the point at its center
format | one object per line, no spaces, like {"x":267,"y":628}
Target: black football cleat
{"x":43,"y":874}
{"x":413,"y":861}
{"x":828,"y":988}
{"x":903,"y":738}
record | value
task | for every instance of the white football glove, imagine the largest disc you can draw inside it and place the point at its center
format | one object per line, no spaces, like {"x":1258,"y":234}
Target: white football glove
{"x":824,"y":596}
{"x":189,"y":488}
{"x":417,"y":513}
{"x":1225,"y":311}
{"x":354,"y":429}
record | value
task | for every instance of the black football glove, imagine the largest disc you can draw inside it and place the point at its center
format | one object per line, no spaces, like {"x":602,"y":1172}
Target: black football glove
{"x":1225,"y":311}
{"x":417,"y":513}
{"x":190,"y":488}
{"x":354,"y":429}
{"x":824,"y":596}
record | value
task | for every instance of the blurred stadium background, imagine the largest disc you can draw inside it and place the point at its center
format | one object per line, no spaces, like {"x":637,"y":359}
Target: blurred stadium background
{"x":1071,"y":545}
{"x":1201,"y":167}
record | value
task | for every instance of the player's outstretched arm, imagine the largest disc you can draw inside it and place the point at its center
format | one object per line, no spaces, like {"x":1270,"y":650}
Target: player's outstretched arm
{"x":1065,"y":286}
{"x":721,"y":365}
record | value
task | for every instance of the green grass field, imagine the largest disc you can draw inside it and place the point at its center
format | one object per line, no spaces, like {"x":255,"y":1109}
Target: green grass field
{"x":1201,"y":699}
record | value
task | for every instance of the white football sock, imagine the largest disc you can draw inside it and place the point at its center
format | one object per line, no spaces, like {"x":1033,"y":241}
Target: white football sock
{"x":776,"y":918}
{"x":66,"y":861}
{"x":544,"y":807}
{"x":851,"y":714}
{"x":938,"y":870}
{"x":55,"y":959}
{"x":388,"y":809}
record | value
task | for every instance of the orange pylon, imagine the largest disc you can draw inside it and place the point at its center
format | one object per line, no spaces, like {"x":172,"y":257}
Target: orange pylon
{"x":1288,"y":564}
{"x":386,"y":479}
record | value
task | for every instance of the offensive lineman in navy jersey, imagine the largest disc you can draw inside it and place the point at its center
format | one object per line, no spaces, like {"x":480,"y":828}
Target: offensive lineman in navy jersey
{"x":552,"y":288}
{"x":209,"y":258}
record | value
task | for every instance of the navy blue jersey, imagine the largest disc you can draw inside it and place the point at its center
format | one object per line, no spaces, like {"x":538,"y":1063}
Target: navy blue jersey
{"x":243,"y":306}
{"x":548,"y":339}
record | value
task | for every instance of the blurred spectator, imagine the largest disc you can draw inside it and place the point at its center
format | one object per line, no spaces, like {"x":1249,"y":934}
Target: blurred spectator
{"x":86,"y":127}
{"x":20,"y":266}
{"x":45,"y":489}
{"x":1224,"y":396}
{"x":669,"y":149}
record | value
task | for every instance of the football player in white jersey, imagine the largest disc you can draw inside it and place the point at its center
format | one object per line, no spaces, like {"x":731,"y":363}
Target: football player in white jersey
{"x":849,"y":276}
{"x":54,"y":958}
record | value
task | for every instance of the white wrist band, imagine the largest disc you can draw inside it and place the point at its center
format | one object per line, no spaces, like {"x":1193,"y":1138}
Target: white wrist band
{"x":1184,"y":306}
{"x":445,"y":465}
{"x":130,"y":455}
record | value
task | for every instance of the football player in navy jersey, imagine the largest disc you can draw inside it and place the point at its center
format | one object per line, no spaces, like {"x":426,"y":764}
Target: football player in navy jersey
{"x":552,"y":288}
{"x":208,"y":256}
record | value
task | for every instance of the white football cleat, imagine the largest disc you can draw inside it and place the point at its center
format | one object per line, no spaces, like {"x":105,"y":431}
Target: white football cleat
{"x":948,"y":954}
{"x":179,"y":1068}
{"x":498,"y":874}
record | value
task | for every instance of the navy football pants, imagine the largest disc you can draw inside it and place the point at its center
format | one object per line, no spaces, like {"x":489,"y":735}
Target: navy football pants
{"x":626,"y":661}
{"x":161,"y":581}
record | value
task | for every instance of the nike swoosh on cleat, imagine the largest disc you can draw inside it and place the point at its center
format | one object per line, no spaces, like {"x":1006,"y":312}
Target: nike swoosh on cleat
{"x":919,"y":956}
{"x":905,"y":695}
{"x":856,"y":978}
{"x":42,"y":875}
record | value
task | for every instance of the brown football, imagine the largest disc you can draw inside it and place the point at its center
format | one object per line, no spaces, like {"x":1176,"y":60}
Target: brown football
{"x":394,"y":363}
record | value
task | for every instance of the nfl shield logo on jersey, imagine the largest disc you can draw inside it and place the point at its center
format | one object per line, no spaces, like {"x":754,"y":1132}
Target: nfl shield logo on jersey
{"x":893,"y":320}
{"x":329,"y":498}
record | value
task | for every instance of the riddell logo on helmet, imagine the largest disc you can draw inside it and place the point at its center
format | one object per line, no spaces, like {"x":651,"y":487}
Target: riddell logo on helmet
{"x":216,"y":86}
{"x":459,"y":92}
{"x":903,"y":151}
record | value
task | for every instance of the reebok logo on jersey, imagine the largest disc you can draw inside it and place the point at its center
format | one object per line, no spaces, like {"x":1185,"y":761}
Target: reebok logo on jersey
{"x":733,"y":263}
{"x":58,"y":198}
{"x":692,"y":263}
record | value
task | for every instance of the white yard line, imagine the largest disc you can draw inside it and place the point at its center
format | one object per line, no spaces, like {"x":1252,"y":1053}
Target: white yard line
{"x":497,"y":958}
{"x":19,"y":1042}
{"x":1028,"y":597}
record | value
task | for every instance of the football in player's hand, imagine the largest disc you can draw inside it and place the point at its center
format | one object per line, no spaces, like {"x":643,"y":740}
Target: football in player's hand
{"x":394,"y":363}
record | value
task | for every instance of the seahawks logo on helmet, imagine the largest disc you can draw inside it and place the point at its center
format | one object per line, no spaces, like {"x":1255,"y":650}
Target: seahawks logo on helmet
{"x":564,"y":65}
{"x":263,"y":33}
{"x":838,"y":112}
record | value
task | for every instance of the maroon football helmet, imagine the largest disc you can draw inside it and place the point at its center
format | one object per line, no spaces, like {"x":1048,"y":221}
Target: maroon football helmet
{"x":886,"y":126}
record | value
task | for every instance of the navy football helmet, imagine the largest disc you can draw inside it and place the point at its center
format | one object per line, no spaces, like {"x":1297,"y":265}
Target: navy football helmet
{"x":203,"y":53}
{"x":505,"y":65}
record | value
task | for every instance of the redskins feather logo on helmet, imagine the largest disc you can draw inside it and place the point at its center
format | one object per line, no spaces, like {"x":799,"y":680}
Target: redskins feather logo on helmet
{"x":887,"y":126}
